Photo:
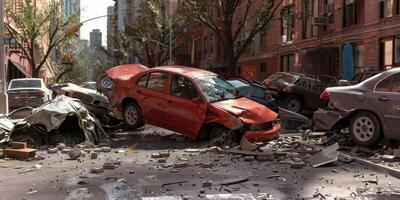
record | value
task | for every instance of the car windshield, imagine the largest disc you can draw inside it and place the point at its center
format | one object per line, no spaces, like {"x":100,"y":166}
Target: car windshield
{"x":283,"y":77}
{"x":237,"y":83}
{"x":25,"y":84}
{"x":216,"y":89}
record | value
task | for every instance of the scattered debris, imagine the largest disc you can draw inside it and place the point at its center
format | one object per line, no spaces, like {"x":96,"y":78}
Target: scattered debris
{"x":75,"y":153}
{"x":173,"y":183}
{"x":61,"y":146}
{"x":180,"y":164}
{"x":328,"y":155}
{"x":207,"y":183}
{"x":97,"y":170}
{"x":235,"y":180}
{"x":52,"y":151}
{"x":245,"y":145}
{"x":19,"y":150}
{"x":93,"y":155}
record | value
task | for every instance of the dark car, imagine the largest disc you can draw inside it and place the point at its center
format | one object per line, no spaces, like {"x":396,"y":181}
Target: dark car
{"x":359,"y":77}
{"x":370,"y":109}
{"x":255,"y":92}
{"x":298,"y":92}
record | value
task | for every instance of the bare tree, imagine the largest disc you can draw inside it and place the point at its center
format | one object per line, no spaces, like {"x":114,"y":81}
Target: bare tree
{"x":235,"y":23}
{"x":37,"y":30}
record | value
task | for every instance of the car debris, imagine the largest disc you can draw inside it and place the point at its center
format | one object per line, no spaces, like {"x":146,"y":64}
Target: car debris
{"x":328,"y":155}
{"x":232,"y":181}
{"x":19,"y":150}
{"x":63,"y":119}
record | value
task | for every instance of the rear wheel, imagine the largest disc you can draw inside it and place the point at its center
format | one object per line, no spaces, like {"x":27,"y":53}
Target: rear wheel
{"x":32,"y":139}
{"x":221,"y":136}
{"x":293,"y":103}
{"x":132,"y":116}
{"x":365,"y":129}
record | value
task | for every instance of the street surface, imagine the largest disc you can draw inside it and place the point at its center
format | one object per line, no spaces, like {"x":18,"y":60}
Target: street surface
{"x":184,"y":171}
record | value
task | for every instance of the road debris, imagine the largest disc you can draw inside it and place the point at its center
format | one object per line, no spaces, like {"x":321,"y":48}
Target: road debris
{"x":19,"y":150}
{"x":75,"y":153}
{"x":232,"y":181}
{"x":327,"y":155}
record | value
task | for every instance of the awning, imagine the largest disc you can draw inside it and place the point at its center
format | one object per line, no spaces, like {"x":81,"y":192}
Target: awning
{"x":21,"y":68}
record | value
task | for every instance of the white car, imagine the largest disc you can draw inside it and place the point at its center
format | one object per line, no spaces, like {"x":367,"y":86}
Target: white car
{"x":25,"y":92}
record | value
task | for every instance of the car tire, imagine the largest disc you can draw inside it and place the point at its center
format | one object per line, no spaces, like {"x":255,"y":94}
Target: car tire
{"x":32,"y":139}
{"x":132,"y":116}
{"x":293,"y":103}
{"x":221,"y":136}
{"x":365,"y":129}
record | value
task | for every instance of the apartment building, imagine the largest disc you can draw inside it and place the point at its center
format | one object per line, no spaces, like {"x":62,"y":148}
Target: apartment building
{"x":312,"y":36}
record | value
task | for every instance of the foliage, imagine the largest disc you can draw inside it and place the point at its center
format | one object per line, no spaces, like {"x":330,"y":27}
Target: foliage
{"x":235,"y":23}
{"x":148,"y":39}
{"x":37,"y":30}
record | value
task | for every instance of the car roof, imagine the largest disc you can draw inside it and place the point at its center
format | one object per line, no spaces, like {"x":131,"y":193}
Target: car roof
{"x":188,"y":71}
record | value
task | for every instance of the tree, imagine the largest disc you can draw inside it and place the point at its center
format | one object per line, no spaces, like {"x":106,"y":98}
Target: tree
{"x":235,"y":23}
{"x":37,"y":30}
{"x":149,"y":36}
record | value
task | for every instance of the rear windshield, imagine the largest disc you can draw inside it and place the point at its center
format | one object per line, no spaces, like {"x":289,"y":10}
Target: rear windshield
{"x":25,"y":84}
{"x":237,"y":83}
{"x":282,"y":77}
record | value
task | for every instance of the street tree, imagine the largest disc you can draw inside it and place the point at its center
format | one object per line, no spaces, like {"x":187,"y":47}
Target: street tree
{"x":235,"y":23}
{"x":37,"y":30}
{"x":153,"y":31}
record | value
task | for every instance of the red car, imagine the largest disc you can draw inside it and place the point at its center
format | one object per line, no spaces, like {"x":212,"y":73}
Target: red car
{"x":191,"y":101}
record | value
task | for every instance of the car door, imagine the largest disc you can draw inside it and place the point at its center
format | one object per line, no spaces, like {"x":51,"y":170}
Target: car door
{"x":186,"y":108}
{"x":386,"y":101}
{"x":151,"y":96}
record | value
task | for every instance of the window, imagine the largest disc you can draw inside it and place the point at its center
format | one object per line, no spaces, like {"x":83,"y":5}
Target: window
{"x":386,"y":53}
{"x":157,"y":81}
{"x":397,"y":51}
{"x":263,"y":67}
{"x":315,"y":14}
{"x":389,"y":84}
{"x":288,"y":16}
{"x":287,"y":63}
{"x":387,"y":8}
{"x":183,"y":88}
{"x":142,"y":81}
{"x":304,"y":16}
{"x":263,"y":37}
{"x":350,"y":13}
{"x":358,"y":50}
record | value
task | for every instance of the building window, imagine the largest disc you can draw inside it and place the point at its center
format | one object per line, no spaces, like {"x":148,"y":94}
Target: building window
{"x":263,"y":67}
{"x":304,"y":17}
{"x":263,"y":37}
{"x":350,"y":13}
{"x":386,"y":55}
{"x":387,"y":8}
{"x":397,"y":51}
{"x":315,"y":14}
{"x":287,"y":63}
{"x":358,"y":50}
{"x":288,"y":16}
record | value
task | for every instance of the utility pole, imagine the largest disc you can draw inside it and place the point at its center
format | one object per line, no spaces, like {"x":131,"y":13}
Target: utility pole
{"x":3,"y":78}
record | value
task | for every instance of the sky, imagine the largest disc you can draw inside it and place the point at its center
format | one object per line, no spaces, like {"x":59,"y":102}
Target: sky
{"x":91,"y":9}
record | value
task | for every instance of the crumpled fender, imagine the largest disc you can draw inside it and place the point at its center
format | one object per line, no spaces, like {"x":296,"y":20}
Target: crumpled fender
{"x":326,"y":119}
{"x":217,"y":115}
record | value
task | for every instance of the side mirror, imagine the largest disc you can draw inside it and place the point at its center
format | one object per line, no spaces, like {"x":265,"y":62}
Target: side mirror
{"x":343,"y":83}
{"x":197,"y":100}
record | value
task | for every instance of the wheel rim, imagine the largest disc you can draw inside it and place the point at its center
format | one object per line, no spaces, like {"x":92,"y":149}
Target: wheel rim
{"x":226,"y":138}
{"x":131,"y":115}
{"x":294,"y":105}
{"x":28,"y":140}
{"x":363,"y":129}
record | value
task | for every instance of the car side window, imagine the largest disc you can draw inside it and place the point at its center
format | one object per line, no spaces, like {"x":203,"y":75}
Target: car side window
{"x":396,"y":83}
{"x":157,"y":81}
{"x":385,"y":85}
{"x":143,"y":81}
{"x":183,"y":88}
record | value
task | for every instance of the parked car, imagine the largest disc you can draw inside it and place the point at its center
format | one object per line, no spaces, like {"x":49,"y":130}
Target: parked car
{"x":89,"y":85}
{"x":297,"y":92}
{"x":370,"y":109}
{"x":27,"y":92}
{"x":191,"y":101}
{"x":95,"y":102}
{"x":255,"y":92}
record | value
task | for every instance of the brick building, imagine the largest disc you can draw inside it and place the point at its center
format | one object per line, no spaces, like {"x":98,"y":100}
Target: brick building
{"x":314,"y":36}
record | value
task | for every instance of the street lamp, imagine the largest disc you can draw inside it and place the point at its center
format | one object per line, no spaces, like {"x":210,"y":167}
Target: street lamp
{"x":3,"y":78}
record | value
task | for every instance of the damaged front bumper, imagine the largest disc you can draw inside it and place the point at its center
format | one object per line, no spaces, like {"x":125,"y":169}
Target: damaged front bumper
{"x":325,"y":119}
{"x":263,"y":135}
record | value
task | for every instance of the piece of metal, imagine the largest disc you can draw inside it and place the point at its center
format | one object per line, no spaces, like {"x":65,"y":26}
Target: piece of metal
{"x":3,"y":78}
{"x":328,"y":155}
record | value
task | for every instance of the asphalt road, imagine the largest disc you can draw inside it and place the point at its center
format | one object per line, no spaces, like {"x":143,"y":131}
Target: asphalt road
{"x":141,"y":177}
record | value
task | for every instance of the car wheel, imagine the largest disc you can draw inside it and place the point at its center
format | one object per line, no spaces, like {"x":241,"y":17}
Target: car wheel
{"x":32,"y":140}
{"x":221,"y":136}
{"x":365,"y":129}
{"x":293,"y":103}
{"x":132,"y":116}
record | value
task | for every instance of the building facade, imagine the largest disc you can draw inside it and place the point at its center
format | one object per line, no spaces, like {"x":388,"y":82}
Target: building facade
{"x":312,"y":36}
{"x":95,"y":38}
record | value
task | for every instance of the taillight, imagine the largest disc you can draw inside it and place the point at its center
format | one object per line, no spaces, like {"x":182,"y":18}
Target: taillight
{"x":325,"y":96}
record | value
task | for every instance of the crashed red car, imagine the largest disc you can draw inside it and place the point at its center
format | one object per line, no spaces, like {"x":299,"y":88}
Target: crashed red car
{"x":191,"y":101}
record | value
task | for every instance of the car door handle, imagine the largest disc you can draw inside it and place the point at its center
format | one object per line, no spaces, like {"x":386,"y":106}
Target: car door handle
{"x":383,"y":99}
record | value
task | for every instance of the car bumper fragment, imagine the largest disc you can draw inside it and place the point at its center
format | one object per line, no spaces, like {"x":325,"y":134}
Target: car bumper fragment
{"x":264,"y":135}
{"x":326,"y":119}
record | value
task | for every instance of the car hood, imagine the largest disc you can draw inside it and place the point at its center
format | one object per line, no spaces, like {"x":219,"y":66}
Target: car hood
{"x":250,"y":112}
